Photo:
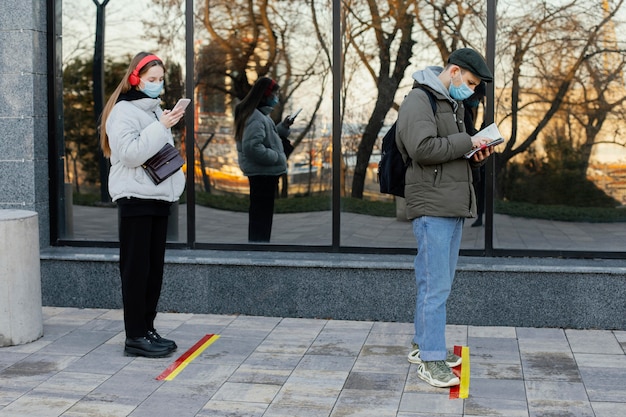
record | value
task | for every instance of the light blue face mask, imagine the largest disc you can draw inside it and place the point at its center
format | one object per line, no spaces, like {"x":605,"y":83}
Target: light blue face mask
{"x":152,"y":89}
{"x":461,"y":92}
{"x":272,"y":101}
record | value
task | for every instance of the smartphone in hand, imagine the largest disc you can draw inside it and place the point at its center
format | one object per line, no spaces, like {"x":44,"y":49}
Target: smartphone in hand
{"x":182,"y":104}
{"x":293,"y":116}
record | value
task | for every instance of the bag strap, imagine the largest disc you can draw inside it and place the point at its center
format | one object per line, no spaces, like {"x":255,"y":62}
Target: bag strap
{"x":431,"y":98}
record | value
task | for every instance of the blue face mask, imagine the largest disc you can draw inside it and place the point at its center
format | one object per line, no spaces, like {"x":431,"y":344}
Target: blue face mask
{"x":272,"y":101}
{"x":152,"y":89}
{"x":461,"y":92}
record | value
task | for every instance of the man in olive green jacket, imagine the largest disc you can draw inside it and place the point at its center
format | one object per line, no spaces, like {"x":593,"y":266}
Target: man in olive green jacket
{"x":439,"y":196}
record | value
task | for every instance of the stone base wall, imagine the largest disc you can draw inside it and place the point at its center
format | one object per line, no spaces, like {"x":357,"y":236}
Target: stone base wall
{"x":520,"y":292}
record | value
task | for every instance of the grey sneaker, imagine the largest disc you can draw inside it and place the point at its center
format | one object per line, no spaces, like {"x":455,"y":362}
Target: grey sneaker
{"x":452,"y":360}
{"x":437,"y":374}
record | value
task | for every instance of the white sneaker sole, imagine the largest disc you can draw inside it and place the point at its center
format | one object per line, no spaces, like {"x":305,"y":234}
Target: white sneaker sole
{"x":438,"y":384}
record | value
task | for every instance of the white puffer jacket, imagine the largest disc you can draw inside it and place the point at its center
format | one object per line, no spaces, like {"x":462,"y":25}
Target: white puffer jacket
{"x":135,"y":134}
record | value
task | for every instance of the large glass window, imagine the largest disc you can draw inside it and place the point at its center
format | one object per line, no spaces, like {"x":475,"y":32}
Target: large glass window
{"x":559,"y":103}
{"x":554,"y":185}
{"x":235,"y":45}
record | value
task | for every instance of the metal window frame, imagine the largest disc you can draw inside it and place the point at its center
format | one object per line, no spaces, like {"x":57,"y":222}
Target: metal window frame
{"x":56,"y":155}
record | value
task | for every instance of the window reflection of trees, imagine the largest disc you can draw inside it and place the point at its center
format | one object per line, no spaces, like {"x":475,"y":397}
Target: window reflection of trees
{"x":559,"y":85}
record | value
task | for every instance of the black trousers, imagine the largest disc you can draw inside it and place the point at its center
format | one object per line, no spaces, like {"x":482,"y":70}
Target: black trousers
{"x":261,"y":212}
{"x":142,"y":255}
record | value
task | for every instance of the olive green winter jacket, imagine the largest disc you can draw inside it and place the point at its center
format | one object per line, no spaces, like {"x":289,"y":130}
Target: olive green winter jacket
{"x":439,"y":179}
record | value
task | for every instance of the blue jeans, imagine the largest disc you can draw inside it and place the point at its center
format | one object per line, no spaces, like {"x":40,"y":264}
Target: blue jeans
{"x":438,"y":244}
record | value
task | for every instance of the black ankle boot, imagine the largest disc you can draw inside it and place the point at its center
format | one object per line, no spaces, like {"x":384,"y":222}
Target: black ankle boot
{"x":155,"y":337}
{"x":144,"y":346}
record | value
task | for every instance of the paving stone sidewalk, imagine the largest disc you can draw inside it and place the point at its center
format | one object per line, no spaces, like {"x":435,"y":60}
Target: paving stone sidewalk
{"x":285,"y":367}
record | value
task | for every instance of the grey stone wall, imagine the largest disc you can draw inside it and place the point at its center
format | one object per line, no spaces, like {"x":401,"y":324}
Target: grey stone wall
{"x":24,"y":109}
{"x":520,"y":292}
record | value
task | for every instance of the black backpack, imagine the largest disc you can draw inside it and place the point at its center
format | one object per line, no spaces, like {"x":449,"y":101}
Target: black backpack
{"x":391,"y":168}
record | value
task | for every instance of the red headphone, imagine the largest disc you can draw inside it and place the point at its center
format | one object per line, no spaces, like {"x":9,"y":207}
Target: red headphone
{"x":133,"y":78}
{"x":269,"y":89}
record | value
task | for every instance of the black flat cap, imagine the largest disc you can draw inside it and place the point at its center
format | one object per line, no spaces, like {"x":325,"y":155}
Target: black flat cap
{"x":471,"y":60}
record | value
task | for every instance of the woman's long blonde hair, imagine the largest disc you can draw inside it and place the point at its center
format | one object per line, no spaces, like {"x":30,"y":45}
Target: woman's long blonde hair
{"x":123,"y":87}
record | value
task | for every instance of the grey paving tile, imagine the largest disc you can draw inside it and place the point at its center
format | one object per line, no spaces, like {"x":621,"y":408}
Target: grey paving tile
{"x":35,"y":346}
{"x":383,"y":328}
{"x":312,"y":388}
{"x":345,"y":325}
{"x":560,"y":408}
{"x":492,"y":332}
{"x":78,"y":342}
{"x":488,"y":369}
{"x":211,"y":320}
{"x":131,"y":385}
{"x":289,"y":410}
{"x":266,"y":368}
{"x":375,"y":381}
{"x":171,"y":399}
{"x":494,"y":349}
{"x":88,"y":407}
{"x":203,"y":377}
{"x":8,"y":358}
{"x":431,"y":404}
{"x":314,"y":362}
{"x":541,"y":346}
{"x":607,"y":409}
{"x":398,"y":339}
{"x":382,"y":359}
{"x":106,"y":325}
{"x":93,"y":362}
{"x":8,"y":394}
{"x":481,"y":406}
{"x":260,"y":376}
{"x":591,"y":360}
{"x":338,"y":343}
{"x":76,"y":316}
{"x":247,"y":392}
{"x":605,"y":384}
{"x":34,"y":369}
{"x":254,"y":324}
{"x":228,"y":350}
{"x":367,"y":403}
{"x":621,"y":338}
{"x":505,"y":389}
{"x":403,"y":414}
{"x":31,"y":405}
{"x":75,"y":383}
{"x":539,"y":333}
{"x":456,"y":335}
{"x":216,"y":408}
{"x":548,"y":366}
{"x":593,"y":341}
{"x":550,"y":390}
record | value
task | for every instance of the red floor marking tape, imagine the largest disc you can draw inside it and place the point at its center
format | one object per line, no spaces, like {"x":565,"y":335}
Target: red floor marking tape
{"x":463,"y":372}
{"x":186,"y":358}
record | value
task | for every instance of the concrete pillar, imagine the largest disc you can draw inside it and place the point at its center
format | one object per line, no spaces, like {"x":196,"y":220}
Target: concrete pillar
{"x":21,"y":318}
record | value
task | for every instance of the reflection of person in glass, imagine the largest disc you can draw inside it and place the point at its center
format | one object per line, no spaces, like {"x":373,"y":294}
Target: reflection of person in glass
{"x":261,"y":154}
{"x":133,"y":129}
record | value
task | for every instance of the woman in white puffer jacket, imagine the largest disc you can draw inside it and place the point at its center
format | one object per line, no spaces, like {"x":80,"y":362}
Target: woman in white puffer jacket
{"x":133,"y":129}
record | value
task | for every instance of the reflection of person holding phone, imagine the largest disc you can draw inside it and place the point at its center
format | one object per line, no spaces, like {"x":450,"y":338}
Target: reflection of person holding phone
{"x":133,"y":129}
{"x":262,"y":156}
